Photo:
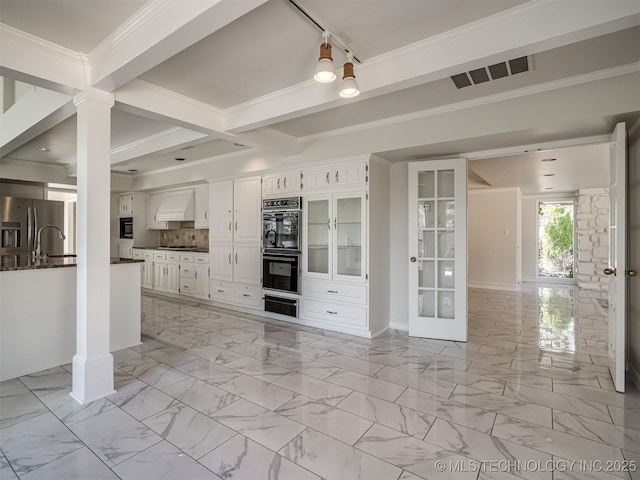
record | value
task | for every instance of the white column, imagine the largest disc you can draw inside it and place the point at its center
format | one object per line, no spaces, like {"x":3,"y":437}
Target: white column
{"x":93,"y":363}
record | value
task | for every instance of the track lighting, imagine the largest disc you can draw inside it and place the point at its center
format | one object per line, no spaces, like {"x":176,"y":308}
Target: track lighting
{"x":325,"y":73}
{"x":349,"y":85}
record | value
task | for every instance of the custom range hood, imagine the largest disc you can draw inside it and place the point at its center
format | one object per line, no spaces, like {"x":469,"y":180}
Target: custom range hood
{"x":177,"y":207}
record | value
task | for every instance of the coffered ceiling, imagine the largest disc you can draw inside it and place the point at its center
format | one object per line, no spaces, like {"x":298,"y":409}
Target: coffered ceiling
{"x":210,"y":79}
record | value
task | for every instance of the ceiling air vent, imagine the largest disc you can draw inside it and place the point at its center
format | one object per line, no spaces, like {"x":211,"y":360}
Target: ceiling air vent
{"x":492,"y":72}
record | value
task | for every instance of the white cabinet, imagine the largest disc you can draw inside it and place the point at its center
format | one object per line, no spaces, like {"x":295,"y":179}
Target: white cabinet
{"x":166,"y":273}
{"x":125,"y":248}
{"x":194,"y":275}
{"x":335,"y":236}
{"x":221,"y":208}
{"x":246,"y":210}
{"x":281,"y":184}
{"x":221,"y":258}
{"x":201,"y":281}
{"x":125,"y":205}
{"x":246,"y":268}
{"x":336,"y":176}
{"x":147,"y":274}
{"x":201,"y":207}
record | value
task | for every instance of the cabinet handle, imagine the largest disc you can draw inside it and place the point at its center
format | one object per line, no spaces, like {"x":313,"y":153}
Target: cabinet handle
{"x":329,"y":224}
{"x":220,"y":291}
{"x":332,"y":291}
{"x":205,"y":216}
{"x":335,"y":223}
{"x":278,"y":184}
{"x":285,"y":182}
{"x":327,"y":178}
{"x":196,"y":275}
{"x":337,"y":176}
{"x":332,"y":313}
{"x":246,"y":295}
{"x":236,"y":225}
{"x":236,"y":258}
{"x":229,"y":226}
{"x":229,"y":259}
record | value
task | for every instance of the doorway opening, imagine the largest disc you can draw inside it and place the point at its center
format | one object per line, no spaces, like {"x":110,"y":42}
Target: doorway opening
{"x":556,"y":240}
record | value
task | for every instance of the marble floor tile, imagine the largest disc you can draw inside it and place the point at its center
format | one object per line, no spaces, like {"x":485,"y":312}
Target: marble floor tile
{"x":464,"y":378}
{"x":6,"y":472}
{"x":296,"y":363}
{"x":171,"y":357}
{"x":71,"y":412}
{"x":162,"y":461}
{"x":558,"y":401}
{"x":628,"y":400}
{"x":17,"y":405}
{"x":411,"y":364}
{"x":472,"y":417}
{"x":268,"y":372}
{"x":509,"y":375}
{"x":142,"y":403}
{"x":314,"y":388}
{"x":625,"y":417}
{"x":259,"y":352}
{"x":392,"y":415}
{"x":77,"y":465}
{"x":200,"y":395}
{"x":508,"y":406}
{"x":552,"y":441}
{"x":11,"y":384}
{"x":335,"y":460}
{"x":423,"y":383}
{"x":115,"y":436}
{"x":498,"y":361}
{"x":349,"y":363}
{"x":136,"y":366}
{"x":411,"y":454}
{"x":265,"y":394}
{"x":243,"y":459}
{"x":33,"y":443}
{"x":369,"y":385}
{"x":348,"y":349}
{"x":633,"y":460}
{"x":161,"y":376}
{"x":207,"y":371}
{"x":480,"y":446}
{"x":259,"y":424}
{"x":324,"y":418}
{"x":47,"y":381}
{"x":214,"y":354}
{"x":604,"y":432}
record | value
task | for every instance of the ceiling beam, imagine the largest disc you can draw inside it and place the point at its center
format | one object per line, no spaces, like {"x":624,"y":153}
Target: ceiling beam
{"x":163,"y":141}
{"x":471,"y":46}
{"x":157,"y":32}
{"x":35,"y":113}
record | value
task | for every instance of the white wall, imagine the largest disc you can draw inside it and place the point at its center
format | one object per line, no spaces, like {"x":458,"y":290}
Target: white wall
{"x":399,"y":254}
{"x":493,"y":221}
{"x":633,"y":253}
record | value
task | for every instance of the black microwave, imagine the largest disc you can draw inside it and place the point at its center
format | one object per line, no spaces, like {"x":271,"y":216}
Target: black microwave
{"x":126,"y":227}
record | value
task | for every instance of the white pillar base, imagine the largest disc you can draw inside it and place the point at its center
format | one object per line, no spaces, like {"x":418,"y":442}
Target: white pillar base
{"x":92,"y":379}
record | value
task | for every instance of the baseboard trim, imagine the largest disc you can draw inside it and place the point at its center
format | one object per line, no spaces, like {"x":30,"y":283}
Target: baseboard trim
{"x":494,"y":286}
{"x":399,"y":326}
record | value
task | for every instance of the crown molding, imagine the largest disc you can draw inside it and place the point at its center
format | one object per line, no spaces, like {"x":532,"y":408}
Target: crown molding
{"x":476,"y":102}
{"x":8,"y":33}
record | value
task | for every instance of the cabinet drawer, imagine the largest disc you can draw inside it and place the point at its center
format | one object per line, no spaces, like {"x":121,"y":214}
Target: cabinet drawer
{"x":247,"y":294}
{"x":147,"y":254}
{"x":201,"y":258}
{"x":137,"y":253}
{"x":186,"y":286}
{"x":186,"y":270}
{"x":221,"y":290}
{"x":159,"y":256}
{"x":174,"y":257}
{"x":325,"y":290}
{"x":186,"y":257}
{"x":334,"y":312}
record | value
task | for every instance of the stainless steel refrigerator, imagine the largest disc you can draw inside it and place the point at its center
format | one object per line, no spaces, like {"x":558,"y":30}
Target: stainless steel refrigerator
{"x":22,"y":218}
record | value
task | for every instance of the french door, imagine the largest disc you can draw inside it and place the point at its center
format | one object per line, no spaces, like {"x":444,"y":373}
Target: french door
{"x":438,"y":249}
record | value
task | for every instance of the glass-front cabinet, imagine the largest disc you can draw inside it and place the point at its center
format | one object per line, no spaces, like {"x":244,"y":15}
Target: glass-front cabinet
{"x":334,"y":233}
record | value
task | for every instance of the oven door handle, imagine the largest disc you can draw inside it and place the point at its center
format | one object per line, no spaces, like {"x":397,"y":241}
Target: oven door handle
{"x":280,"y":259}
{"x":291,"y":302}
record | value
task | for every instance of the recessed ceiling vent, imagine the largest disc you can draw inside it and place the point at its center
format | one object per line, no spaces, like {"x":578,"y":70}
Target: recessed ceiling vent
{"x":493,"y":72}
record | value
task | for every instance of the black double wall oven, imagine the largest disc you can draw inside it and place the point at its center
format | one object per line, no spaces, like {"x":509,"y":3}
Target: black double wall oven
{"x":281,"y":227}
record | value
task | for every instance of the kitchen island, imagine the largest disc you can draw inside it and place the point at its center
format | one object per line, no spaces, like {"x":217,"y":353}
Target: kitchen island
{"x":38,"y":311}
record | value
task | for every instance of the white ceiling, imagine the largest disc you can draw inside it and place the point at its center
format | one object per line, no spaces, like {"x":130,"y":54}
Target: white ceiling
{"x":240,"y":74}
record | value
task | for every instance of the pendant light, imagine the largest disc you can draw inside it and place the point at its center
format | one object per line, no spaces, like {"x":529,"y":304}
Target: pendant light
{"x":349,"y":85}
{"x":325,"y":73}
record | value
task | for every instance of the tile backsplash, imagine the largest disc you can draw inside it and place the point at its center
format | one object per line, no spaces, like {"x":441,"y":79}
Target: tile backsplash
{"x":190,"y":237}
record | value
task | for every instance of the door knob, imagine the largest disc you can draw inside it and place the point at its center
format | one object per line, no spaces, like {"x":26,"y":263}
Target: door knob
{"x":631,"y":273}
{"x":610,"y":271}
{"x":413,"y":259}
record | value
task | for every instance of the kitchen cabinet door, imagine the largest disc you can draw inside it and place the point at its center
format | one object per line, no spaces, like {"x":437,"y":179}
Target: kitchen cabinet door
{"x":246,"y":268}
{"x":201,"y":281}
{"x":172,"y":278}
{"x":201,"y":207}
{"x":221,"y":212}
{"x":351,"y":175}
{"x":349,"y":257}
{"x":147,"y":274}
{"x":159,"y":276}
{"x":125,"y":205}
{"x":125,"y":248}
{"x":317,"y":236}
{"x":247,"y":196}
{"x":221,"y":258}
{"x":317,"y":179}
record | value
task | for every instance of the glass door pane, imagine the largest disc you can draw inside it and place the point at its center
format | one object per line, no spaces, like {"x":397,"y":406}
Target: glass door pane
{"x":348,"y":226}
{"x":318,"y":234}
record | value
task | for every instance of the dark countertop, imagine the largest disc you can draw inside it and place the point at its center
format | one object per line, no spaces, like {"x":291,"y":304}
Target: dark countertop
{"x":26,"y":262}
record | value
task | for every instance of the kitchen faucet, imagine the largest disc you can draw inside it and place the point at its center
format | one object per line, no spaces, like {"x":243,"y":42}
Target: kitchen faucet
{"x":37,"y":252}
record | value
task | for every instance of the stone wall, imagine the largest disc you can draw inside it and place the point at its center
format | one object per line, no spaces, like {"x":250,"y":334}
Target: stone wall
{"x":592,"y":225}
